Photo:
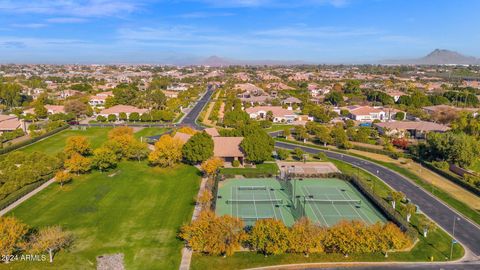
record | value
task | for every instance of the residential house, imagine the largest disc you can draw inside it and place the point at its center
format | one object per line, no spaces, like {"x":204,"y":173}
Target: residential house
{"x":10,"y":123}
{"x":228,"y":148}
{"x":416,"y":129}
{"x":280,"y":115}
{"x":99,"y":99}
{"x":117,"y":109}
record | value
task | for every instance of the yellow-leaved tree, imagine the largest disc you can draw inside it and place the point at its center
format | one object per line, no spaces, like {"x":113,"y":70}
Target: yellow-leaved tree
{"x":214,"y":235}
{"x":77,"y":145}
{"x":306,"y":237}
{"x":12,"y":233}
{"x":211,"y":165}
{"x":49,"y":239}
{"x":63,"y":177}
{"x":187,"y":130}
{"x":269,"y":236}
{"x":167,"y":152}
{"x":78,"y":164}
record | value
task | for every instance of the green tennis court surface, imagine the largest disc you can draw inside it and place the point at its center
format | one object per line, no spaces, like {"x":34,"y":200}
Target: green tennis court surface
{"x":324,"y":201}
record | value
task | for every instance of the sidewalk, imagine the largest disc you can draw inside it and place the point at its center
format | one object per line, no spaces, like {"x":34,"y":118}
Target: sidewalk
{"x":186,"y":252}
{"x":26,"y":197}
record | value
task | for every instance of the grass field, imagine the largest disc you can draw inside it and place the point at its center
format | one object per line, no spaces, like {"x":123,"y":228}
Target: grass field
{"x":264,"y":168}
{"x":56,"y":143}
{"x":147,"y":132}
{"x":135,"y":210}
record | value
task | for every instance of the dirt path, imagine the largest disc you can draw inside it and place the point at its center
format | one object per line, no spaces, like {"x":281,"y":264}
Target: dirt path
{"x":207,"y":121}
{"x":454,"y":190}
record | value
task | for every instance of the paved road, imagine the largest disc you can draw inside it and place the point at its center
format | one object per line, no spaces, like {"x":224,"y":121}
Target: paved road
{"x":453,"y":266}
{"x":465,"y":231}
{"x":191,"y":118}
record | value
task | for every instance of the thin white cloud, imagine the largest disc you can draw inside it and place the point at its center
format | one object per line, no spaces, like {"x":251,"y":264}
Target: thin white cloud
{"x":203,"y":15}
{"x":274,"y":3}
{"x":86,"y":8}
{"x":29,"y":25}
{"x":66,"y":20}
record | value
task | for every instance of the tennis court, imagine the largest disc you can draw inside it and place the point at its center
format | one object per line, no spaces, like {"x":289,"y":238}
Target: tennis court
{"x":324,"y":201}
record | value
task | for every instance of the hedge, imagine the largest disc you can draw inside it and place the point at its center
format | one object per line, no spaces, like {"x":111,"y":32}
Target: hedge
{"x":449,"y":176}
{"x":32,"y":140}
{"x":16,"y":195}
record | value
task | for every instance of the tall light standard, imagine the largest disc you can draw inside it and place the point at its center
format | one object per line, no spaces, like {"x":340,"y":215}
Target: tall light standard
{"x":453,"y":236}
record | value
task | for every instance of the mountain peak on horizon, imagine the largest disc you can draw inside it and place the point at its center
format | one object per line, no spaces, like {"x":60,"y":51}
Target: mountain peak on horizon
{"x":440,"y":57}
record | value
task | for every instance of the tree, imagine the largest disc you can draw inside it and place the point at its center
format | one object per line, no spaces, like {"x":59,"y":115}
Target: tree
{"x":77,"y":163}
{"x":12,"y":232}
{"x":396,"y":196}
{"x":306,"y":237}
{"x":157,"y":99}
{"x":410,"y":209}
{"x":282,"y":154}
{"x":211,"y":165}
{"x":122,"y":116}
{"x":300,"y":133}
{"x":269,"y":236}
{"x":399,"y":116}
{"x":50,"y":239}
{"x":426,"y":225}
{"x":198,"y":148}
{"x":76,"y":107}
{"x":286,"y":132}
{"x":187,"y":130}
{"x":258,"y":146}
{"x":120,"y":131}
{"x":298,"y":153}
{"x":104,"y":159}
{"x":79,"y":145}
{"x":137,"y":150}
{"x":63,"y":177}
{"x":322,"y":134}
{"x":101,"y":118}
{"x":134,"y":116}
{"x":168,"y":152}
{"x":205,"y":198}
{"x":340,"y":138}
{"x":335,"y":98}
{"x":112,"y":118}
{"x":214,"y":235}
{"x":40,"y":111}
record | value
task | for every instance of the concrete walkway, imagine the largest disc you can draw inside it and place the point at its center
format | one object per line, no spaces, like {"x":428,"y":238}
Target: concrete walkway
{"x":186,"y":252}
{"x":26,"y":197}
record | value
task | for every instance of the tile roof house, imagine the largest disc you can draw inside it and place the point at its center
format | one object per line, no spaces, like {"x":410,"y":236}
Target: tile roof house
{"x":10,"y":123}
{"x":212,"y":132}
{"x":365,"y":113}
{"x":279,"y":114}
{"x":100,"y":98}
{"x":51,"y":109}
{"x":416,"y":129}
{"x":117,"y":109}
{"x":184,"y":137}
{"x":228,"y":148}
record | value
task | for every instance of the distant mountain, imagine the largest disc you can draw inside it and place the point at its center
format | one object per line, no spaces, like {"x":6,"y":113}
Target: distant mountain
{"x":216,"y":61}
{"x":439,"y":57}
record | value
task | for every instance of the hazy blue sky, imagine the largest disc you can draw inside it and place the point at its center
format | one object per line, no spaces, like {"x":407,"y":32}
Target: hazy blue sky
{"x":163,"y":31}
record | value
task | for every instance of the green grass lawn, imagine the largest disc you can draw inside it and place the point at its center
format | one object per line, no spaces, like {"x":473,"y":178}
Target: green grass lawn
{"x":475,"y":166}
{"x":137,"y":212}
{"x":56,"y":143}
{"x":264,"y":168}
{"x":147,"y":132}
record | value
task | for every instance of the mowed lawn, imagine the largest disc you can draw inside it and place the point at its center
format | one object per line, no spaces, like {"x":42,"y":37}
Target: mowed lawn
{"x":135,"y":210}
{"x":147,"y":132}
{"x":56,"y":143}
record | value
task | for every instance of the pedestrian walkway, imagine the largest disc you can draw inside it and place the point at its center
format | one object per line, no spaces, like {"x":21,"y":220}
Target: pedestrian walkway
{"x":26,"y":197}
{"x":186,"y":252}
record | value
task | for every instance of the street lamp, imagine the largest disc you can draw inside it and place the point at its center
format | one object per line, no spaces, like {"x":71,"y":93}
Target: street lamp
{"x":453,"y":236}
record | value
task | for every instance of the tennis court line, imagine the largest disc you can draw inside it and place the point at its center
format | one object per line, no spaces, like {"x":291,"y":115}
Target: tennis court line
{"x":254,"y":204}
{"x":281,"y":214}
{"x":354,"y":209}
{"x":334,"y":207}
{"x":311,"y":207}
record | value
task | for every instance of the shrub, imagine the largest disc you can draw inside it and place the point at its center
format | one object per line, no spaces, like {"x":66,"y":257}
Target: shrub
{"x":443,"y":165}
{"x":235,"y":163}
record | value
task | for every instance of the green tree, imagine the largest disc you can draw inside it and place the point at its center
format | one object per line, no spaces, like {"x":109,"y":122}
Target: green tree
{"x":258,"y":146}
{"x":282,"y":154}
{"x":198,"y":148}
{"x":104,"y":158}
{"x":134,"y":117}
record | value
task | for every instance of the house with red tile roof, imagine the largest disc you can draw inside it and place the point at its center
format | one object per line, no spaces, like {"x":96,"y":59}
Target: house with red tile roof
{"x":280,"y":115}
{"x":10,"y":123}
{"x":117,"y":109}
{"x":228,"y":148}
{"x":416,"y":129}
{"x":99,"y":99}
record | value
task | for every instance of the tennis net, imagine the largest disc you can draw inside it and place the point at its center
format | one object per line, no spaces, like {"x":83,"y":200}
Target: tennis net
{"x":272,"y":201}
{"x":319,"y":201}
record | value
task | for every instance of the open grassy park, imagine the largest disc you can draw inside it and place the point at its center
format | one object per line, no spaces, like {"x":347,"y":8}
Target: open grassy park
{"x":56,"y":143}
{"x":134,"y":209}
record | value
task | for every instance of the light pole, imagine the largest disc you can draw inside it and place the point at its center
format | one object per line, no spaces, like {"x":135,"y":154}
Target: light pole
{"x":453,"y":236}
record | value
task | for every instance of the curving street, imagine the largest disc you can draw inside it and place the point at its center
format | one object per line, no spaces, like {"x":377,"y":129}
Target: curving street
{"x":466,"y":232}
{"x":191,"y":118}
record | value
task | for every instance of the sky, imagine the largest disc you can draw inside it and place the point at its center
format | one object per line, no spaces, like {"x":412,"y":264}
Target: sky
{"x":183,"y":31}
